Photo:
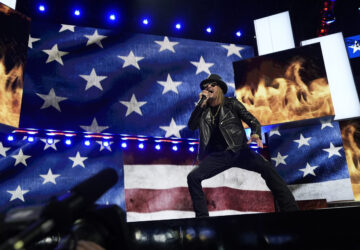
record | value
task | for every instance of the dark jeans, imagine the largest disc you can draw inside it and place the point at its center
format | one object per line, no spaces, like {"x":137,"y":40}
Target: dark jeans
{"x":218,"y":162}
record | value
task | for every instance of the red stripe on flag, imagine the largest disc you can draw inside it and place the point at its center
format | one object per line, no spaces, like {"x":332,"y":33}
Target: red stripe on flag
{"x":220,"y":198}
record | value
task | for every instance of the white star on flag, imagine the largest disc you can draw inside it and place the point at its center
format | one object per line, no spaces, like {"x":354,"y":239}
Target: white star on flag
{"x":3,"y":149}
{"x":355,"y":46}
{"x":303,"y":141}
{"x":308,"y":170}
{"x":274,"y":131}
{"x":54,"y":54}
{"x":333,"y":150}
{"x":169,"y":85}
{"x":326,"y":123}
{"x":202,"y":66}
{"x":131,"y":60}
{"x":18,"y":193}
{"x":78,"y":160}
{"x":51,"y":100}
{"x":95,"y":38}
{"x":94,"y":127}
{"x":31,"y":41}
{"x":233,"y":50}
{"x":67,"y":27}
{"x":49,"y":177}
{"x":173,"y":129}
{"x":102,"y":147}
{"x":93,"y":80}
{"x":133,"y":105}
{"x":279,"y":159}
{"x":166,"y":45}
{"x":52,"y":145}
{"x":20,"y":158}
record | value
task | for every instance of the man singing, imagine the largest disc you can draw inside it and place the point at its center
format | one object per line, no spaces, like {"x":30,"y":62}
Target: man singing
{"x":223,"y":144}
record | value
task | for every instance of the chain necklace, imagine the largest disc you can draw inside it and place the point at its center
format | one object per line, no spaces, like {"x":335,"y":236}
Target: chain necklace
{"x":213,"y":116}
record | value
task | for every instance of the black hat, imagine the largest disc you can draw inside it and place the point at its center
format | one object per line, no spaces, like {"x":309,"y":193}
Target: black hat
{"x":214,"y":78}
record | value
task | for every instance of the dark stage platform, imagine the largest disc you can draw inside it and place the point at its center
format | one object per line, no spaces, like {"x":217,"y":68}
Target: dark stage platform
{"x":329,"y":228}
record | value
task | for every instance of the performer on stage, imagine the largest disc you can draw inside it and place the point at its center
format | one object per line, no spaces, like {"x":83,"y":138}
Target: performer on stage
{"x":223,"y":144}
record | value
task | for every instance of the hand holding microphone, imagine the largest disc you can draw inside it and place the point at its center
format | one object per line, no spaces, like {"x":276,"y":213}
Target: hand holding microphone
{"x":204,"y":96}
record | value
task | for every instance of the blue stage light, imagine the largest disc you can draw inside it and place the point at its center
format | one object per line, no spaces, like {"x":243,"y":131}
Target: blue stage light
{"x":87,"y":143}
{"x":175,"y":148}
{"x":30,"y":139}
{"x":178,"y":26}
{"x":208,"y":30}
{"x":41,"y":8}
{"x":157,"y":147}
{"x":191,"y":149}
{"x":10,"y":138}
{"x":50,"y":141}
{"x":68,"y":142}
{"x":145,"y":21}
{"x":124,"y":145}
{"x":106,"y":144}
{"x":238,"y":33}
{"x":112,"y":17}
{"x":77,"y":12}
{"x":141,"y":145}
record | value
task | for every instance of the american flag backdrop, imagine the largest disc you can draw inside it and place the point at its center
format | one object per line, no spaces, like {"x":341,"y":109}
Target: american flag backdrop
{"x":312,"y":161}
{"x":88,"y":79}
{"x":353,"y":46}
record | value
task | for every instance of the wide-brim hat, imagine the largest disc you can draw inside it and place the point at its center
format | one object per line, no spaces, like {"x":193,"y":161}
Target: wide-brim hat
{"x":214,"y":78}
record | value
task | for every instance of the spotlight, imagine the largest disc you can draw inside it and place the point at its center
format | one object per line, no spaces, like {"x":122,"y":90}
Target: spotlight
{"x":145,"y":21}
{"x":87,"y":143}
{"x":68,"y":142}
{"x":106,"y":144}
{"x":238,"y":33}
{"x":175,"y":148}
{"x":178,"y":26}
{"x":77,"y":12}
{"x":124,"y":145}
{"x":141,"y":145}
{"x":30,"y":139}
{"x":112,"y":17}
{"x":157,"y":147}
{"x":191,"y":149}
{"x":208,"y":30}
{"x":50,"y":141}
{"x":10,"y":138}
{"x":41,"y":8}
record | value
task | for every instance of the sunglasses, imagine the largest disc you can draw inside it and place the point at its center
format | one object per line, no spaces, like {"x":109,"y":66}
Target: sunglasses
{"x":213,"y":84}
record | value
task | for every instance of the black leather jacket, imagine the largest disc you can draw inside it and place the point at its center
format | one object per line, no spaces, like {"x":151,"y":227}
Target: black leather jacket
{"x":232,"y":112}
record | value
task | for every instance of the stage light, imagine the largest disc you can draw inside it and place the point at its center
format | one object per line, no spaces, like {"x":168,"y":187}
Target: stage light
{"x":175,"y":148}
{"x":208,"y":30}
{"x":141,"y":146}
{"x":87,"y":143}
{"x":68,"y":142}
{"x":10,"y":138}
{"x":41,"y":8}
{"x":157,"y":147}
{"x":112,"y":17}
{"x":145,"y":21}
{"x":30,"y":139}
{"x":238,"y":33}
{"x":50,"y":141}
{"x":191,"y":149}
{"x":106,"y":144}
{"x":124,"y":145}
{"x":77,"y":12}
{"x":178,"y":26}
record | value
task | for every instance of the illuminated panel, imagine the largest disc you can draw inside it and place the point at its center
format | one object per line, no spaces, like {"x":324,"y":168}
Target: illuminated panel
{"x":274,"y":33}
{"x":341,"y":81}
{"x":10,"y":3}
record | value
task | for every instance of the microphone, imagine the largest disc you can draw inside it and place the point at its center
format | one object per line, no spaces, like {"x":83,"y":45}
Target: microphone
{"x":203,"y":98}
{"x":62,"y":211}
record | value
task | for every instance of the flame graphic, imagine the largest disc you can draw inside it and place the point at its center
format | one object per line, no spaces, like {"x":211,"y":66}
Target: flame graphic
{"x":287,"y":98}
{"x":350,"y":133}
{"x":10,"y":94}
